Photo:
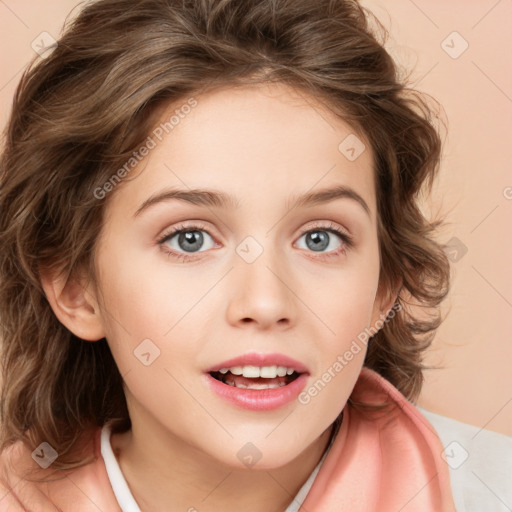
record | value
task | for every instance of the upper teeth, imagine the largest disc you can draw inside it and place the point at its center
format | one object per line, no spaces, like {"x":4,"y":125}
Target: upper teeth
{"x":267,"y":372}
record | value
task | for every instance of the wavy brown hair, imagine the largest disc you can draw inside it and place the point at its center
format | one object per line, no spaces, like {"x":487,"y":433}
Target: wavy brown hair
{"x":79,"y":114}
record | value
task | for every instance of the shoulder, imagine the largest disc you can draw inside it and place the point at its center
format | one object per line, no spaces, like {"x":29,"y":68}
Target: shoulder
{"x":27,"y":485}
{"x":17,"y":493}
{"x":479,"y":461}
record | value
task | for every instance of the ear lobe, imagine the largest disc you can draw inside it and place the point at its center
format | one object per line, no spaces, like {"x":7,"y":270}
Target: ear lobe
{"x":74,"y":306}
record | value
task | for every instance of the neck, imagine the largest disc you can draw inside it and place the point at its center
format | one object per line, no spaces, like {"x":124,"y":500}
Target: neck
{"x":186,"y":479}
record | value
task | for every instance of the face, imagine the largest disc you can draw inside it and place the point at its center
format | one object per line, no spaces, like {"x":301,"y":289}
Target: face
{"x":254,"y":274}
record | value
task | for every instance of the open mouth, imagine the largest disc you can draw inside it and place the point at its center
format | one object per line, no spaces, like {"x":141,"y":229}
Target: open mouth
{"x":241,"y":381}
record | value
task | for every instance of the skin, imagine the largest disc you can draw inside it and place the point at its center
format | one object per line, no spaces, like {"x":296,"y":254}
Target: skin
{"x":262,"y":144}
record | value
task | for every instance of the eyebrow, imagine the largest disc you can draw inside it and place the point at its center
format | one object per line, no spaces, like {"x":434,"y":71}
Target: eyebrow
{"x":218,"y":199}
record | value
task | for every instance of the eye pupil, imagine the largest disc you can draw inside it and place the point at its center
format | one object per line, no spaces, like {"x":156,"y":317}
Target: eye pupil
{"x":190,"y":238}
{"x":317,"y":240}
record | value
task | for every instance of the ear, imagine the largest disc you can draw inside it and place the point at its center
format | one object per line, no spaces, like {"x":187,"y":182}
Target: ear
{"x":74,"y":305}
{"x":384,"y":301}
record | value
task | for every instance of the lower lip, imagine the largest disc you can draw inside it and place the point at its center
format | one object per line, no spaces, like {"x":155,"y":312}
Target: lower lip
{"x":259,"y":399}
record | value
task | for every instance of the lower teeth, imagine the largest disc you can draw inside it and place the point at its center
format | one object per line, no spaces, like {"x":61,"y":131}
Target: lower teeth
{"x":255,"y":386}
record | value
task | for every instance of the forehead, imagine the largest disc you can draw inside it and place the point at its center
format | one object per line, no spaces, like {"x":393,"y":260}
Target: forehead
{"x":265,"y":141}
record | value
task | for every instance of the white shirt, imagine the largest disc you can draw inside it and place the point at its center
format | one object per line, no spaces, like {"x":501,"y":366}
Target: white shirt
{"x":479,"y":460}
{"x":480,"y":464}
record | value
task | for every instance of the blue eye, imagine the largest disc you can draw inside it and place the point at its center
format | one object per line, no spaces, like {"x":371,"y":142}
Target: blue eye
{"x":189,"y":240}
{"x":318,"y":240}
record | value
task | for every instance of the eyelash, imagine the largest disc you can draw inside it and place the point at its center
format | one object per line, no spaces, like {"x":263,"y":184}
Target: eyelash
{"x":347,"y":239}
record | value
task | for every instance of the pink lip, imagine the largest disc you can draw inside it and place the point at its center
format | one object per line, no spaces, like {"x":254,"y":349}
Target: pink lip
{"x":255,"y":359}
{"x":258,"y":399}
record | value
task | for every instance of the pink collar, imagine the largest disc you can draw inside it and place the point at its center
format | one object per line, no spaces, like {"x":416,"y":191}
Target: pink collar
{"x":382,"y":461}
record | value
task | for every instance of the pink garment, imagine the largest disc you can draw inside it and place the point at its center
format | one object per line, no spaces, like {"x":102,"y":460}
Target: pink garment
{"x":382,"y":462}
{"x":378,"y":462}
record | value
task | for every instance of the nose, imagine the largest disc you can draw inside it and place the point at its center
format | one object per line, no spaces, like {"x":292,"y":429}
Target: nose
{"x":261,"y":292}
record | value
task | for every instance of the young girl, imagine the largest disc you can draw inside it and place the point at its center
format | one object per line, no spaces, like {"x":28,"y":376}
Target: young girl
{"x":209,"y":245}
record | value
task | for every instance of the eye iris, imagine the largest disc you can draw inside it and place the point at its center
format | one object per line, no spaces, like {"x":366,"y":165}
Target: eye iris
{"x":319,"y":239}
{"x":190,"y":237}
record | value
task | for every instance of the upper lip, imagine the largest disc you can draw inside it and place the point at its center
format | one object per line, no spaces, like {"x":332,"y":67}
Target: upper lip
{"x":255,"y":359}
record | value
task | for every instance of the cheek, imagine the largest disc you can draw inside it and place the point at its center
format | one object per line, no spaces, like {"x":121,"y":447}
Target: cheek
{"x":350,"y":311}
{"x":138,"y":294}
{"x":341,"y":347}
{"x":345,"y":301}
{"x":148,"y":310}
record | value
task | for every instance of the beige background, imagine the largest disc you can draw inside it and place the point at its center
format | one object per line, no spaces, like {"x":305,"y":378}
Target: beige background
{"x":474,"y":345}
